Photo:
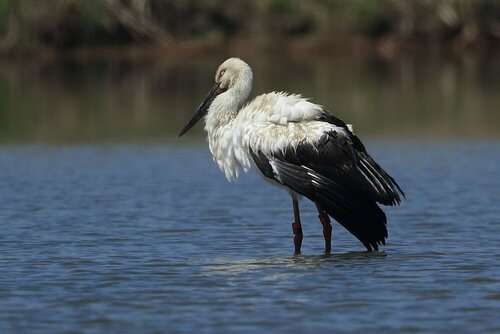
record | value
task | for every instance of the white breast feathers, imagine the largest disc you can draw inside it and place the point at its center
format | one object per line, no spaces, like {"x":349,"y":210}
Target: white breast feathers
{"x":269,"y":124}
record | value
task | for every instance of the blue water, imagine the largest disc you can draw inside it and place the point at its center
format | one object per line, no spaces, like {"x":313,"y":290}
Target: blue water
{"x":151,"y":238}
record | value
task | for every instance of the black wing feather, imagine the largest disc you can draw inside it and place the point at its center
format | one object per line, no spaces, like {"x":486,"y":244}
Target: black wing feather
{"x":364,"y":171}
{"x":338,"y":174}
{"x":364,"y":219}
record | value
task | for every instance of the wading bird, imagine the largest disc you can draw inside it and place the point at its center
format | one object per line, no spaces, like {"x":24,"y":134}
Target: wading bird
{"x":300,"y":146}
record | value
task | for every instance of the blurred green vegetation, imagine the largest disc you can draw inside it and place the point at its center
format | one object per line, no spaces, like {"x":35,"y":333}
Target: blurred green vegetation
{"x":63,"y":24}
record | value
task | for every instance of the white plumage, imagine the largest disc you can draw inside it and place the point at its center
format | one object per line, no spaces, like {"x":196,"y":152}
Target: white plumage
{"x":299,"y":145}
{"x":270,"y":123}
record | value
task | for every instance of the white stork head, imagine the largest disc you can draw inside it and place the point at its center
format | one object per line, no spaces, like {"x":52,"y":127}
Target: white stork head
{"x":234,"y":74}
{"x":233,"y":83}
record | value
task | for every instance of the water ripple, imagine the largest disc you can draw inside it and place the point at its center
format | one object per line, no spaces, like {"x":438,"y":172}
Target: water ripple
{"x":142,"y":239}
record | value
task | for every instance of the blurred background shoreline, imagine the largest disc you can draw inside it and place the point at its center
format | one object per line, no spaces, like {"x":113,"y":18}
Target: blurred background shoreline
{"x":128,"y":70}
{"x":118,"y":28}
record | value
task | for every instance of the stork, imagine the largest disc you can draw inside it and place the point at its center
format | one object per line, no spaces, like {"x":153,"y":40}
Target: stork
{"x":298,"y":145}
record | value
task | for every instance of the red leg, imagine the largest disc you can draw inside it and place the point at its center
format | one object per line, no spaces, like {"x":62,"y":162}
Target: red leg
{"x":296,"y":226}
{"x":327,"y":228}
{"x":298,"y":236}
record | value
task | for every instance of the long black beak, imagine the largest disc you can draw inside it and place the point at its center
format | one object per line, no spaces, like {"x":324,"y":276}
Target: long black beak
{"x":203,"y":108}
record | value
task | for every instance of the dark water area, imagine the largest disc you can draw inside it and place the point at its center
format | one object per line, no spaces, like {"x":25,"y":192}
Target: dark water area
{"x":148,"y":238}
{"x":411,"y":96}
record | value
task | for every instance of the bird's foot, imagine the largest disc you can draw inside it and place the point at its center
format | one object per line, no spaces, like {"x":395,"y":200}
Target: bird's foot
{"x":298,"y":236}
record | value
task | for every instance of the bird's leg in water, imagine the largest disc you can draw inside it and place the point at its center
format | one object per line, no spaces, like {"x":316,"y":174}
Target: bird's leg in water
{"x":327,"y":228}
{"x":296,"y":226}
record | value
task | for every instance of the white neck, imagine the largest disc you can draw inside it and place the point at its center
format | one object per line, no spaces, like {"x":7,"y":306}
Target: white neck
{"x":222,"y":111}
{"x":225,"y":107}
{"x":223,"y":137}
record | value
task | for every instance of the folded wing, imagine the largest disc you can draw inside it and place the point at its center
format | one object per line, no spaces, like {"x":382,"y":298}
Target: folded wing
{"x":330,"y":166}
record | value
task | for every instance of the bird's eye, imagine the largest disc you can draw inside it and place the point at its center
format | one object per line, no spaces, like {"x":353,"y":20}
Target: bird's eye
{"x":221,"y":73}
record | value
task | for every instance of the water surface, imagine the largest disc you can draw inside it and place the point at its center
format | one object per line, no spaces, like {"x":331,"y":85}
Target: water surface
{"x":411,"y":96}
{"x":151,"y":238}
